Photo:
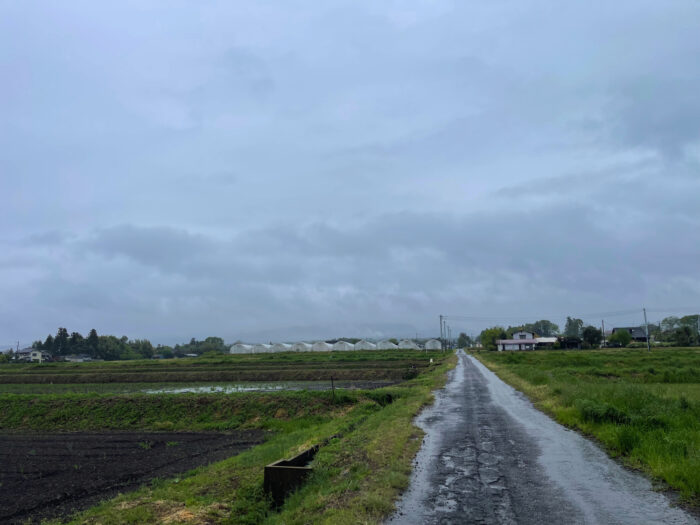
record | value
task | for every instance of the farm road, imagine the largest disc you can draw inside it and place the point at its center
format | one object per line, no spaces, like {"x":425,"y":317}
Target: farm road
{"x":490,"y":457}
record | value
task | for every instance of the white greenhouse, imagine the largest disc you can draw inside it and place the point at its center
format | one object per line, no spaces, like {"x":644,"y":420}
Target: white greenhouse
{"x":342,"y":346}
{"x":240,"y":348}
{"x":301,"y":347}
{"x":433,"y":344}
{"x":281,"y":347}
{"x":262,"y":349}
{"x":386,"y":345}
{"x":321,"y":346}
{"x":365,"y":345}
{"x":408,"y":344}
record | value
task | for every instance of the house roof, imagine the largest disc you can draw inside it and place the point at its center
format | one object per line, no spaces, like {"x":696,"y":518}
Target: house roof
{"x":634,"y":331}
{"x":515,"y":341}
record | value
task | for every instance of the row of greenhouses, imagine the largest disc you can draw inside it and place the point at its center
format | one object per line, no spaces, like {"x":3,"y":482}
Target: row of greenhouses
{"x":339,"y":346}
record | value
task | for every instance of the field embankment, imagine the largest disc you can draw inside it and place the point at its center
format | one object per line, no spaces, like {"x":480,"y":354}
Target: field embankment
{"x":643,"y":407}
{"x":366,"y":460}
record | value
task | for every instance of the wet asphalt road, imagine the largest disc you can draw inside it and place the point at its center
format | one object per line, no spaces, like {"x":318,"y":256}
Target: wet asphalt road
{"x":490,"y":457}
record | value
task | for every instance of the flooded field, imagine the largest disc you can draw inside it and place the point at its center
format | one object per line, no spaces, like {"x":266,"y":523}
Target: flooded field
{"x":185,"y":388}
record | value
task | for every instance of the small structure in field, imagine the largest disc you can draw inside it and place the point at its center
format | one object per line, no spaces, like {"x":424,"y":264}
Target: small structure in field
{"x":408,"y":344}
{"x":343,"y":346}
{"x":386,"y":345}
{"x":262,"y":349}
{"x":545,"y":342}
{"x":281,"y":347}
{"x":301,"y":347}
{"x":365,"y":345}
{"x":240,"y":348}
{"x":321,"y":346}
{"x":433,"y":344}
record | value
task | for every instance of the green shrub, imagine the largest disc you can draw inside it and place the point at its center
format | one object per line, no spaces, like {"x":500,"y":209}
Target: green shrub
{"x":598,"y":412}
{"x":627,"y":439}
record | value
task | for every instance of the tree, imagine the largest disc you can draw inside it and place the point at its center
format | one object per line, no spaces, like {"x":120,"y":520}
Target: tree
{"x":92,"y":341}
{"x":490,"y":335}
{"x":48,"y":344}
{"x":573,"y":327}
{"x":620,"y":337}
{"x":76,"y":343}
{"x":544,"y":328}
{"x":463,"y":340}
{"x":683,"y":336}
{"x":60,"y":343}
{"x":592,"y":335}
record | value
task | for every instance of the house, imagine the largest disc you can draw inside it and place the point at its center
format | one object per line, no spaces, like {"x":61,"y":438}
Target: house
{"x":281,"y":347}
{"x":341,"y":346}
{"x":520,"y":341}
{"x":301,"y":347}
{"x":365,"y":345}
{"x":240,"y":348}
{"x":386,"y":345}
{"x":39,"y":356}
{"x":638,"y":333}
{"x":433,"y":344}
{"x":321,"y":346}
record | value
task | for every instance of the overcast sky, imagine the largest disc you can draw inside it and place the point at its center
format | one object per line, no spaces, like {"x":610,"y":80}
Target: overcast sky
{"x":281,"y":170}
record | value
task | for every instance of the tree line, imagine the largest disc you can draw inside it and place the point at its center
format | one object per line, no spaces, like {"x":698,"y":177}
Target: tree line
{"x":112,"y":348}
{"x":675,"y":331}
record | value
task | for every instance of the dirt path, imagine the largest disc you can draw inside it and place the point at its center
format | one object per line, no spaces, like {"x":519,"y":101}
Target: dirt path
{"x":53,"y":475}
{"x":490,"y":457}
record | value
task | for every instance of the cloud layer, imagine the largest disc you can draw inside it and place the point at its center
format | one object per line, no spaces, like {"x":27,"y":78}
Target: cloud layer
{"x":283,"y":170}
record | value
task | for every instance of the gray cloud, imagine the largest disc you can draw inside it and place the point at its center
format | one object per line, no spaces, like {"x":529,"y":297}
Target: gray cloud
{"x":275,"y":169}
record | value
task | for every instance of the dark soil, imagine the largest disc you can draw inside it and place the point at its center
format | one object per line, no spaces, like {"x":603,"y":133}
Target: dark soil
{"x":54,"y":475}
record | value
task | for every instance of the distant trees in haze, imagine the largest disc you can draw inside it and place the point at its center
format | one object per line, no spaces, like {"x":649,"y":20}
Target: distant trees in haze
{"x":112,"y":348}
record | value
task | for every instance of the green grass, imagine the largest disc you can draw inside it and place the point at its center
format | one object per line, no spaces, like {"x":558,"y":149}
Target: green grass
{"x":357,"y":475}
{"x":643,"y":407}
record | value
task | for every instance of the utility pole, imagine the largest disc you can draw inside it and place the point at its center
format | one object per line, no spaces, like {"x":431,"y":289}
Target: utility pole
{"x":449,"y":337}
{"x":603,"y":324}
{"x":646,"y":326}
{"x":442,"y":339}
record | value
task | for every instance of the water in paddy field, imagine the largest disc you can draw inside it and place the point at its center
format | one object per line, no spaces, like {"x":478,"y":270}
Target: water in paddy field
{"x":233,"y":388}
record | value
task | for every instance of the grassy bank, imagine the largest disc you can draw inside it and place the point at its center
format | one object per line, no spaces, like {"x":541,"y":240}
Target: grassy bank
{"x":356,"y":476}
{"x":643,"y":407}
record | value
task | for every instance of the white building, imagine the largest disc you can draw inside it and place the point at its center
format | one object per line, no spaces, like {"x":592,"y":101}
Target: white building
{"x":321,"y":346}
{"x":520,"y":341}
{"x":365,"y":345}
{"x":386,"y":345}
{"x":433,"y":344}
{"x":408,"y":344}
{"x":262,"y":349}
{"x":343,"y":346}
{"x":281,"y":347}
{"x":240,"y":348}
{"x":301,"y":347}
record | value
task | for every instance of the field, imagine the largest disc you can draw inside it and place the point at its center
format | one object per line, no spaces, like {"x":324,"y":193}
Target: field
{"x":322,"y":366}
{"x":368,"y":434}
{"x":643,"y":407}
